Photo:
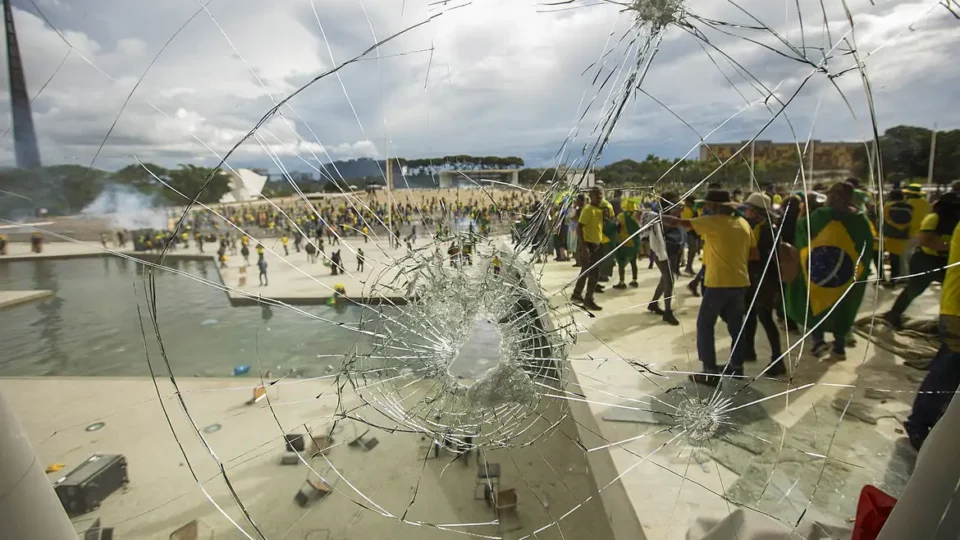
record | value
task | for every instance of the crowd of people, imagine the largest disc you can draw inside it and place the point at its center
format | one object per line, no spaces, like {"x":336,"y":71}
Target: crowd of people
{"x":804,"y":258}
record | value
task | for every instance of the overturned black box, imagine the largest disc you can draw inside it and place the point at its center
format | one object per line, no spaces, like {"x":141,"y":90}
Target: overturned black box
{"x":84,"y":488}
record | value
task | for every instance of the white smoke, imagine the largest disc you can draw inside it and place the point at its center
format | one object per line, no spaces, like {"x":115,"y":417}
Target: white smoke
{"x":127,"y":208}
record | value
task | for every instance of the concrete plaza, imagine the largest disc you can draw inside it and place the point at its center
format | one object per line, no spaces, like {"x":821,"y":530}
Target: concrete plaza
{"x":784,"y":451}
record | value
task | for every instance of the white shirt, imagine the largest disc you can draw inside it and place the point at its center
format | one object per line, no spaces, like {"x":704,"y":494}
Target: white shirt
{"x":652,"y":228}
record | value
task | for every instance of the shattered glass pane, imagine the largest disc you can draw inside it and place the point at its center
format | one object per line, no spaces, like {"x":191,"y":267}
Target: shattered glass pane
{"x":409,"y":361}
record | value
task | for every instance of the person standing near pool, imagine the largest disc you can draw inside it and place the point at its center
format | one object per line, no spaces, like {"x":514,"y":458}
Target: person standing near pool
{"x":262,"y":265}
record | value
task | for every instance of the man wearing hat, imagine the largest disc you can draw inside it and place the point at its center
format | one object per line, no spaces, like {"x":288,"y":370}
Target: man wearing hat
{"x":764,"y":292}
{"x":728,"y":246}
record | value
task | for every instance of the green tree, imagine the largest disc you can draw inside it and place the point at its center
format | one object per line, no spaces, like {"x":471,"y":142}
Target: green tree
{"x":139,"y":177}
{"x":204,"y":184}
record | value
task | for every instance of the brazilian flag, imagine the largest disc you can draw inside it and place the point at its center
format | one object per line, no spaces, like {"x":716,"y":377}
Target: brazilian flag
{"x":628,"y":226}
{"x":897,"y":217}
{"x":836,"y":258}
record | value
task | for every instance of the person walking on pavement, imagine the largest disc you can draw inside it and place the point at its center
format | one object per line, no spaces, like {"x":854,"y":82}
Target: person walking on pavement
{"x":360,"y":260}
{"x":262,"y":265}
{"x":728,"y":246}
{"x":590,"y":236}
{"x":666,"y":257}
{"x":764,"y":292}
{"x":835,"y":246}
{"x":927,"y":264}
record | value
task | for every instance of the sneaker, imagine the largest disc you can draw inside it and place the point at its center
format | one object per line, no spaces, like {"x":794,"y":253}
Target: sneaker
{"x":591,"y":305}
{"x":576,"y":297}
{"x":888,"y":284}
{"x":655,"y":308}
{"x":776,"y":369}
{"x":819,"y":349}
{"x":750,"y":357}
{"x":600,"y":290}
{"x":670,"y":319}
{"x":836,"y":356}
{"x":706,"y":379}
{"x":893,"y":319}
{"x":604,"y":279}
{"x":851,"y":340}
{"x":690,"y":272}
{"x":693,"y":288}
{"x":634,"y":284}
{"x":620,"y":285}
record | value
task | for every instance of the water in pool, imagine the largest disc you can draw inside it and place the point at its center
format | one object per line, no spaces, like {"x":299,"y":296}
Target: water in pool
{"x":91,"y":326}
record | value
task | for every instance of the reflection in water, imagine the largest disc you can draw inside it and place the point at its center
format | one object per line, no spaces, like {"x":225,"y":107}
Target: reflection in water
{"x":90,"y":327}
{"x":50,"y":322}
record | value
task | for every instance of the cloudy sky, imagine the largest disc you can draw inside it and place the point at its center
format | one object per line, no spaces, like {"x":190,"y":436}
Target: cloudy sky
{"x":181,"y":81}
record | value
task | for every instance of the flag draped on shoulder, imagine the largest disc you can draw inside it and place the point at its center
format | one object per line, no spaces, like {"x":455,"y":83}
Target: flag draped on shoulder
{"x":834,"y":262}
{"x":627,"y":228}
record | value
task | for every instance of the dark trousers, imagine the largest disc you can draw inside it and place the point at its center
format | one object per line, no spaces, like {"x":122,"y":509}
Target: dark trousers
{"x":665,"y":287}
{"x":693,"y":247}
{"x":717,"y":302}
{"x":765,"y":315}
{"x":589,"y":271}
{"x":622,"y":267}
{"x":936,"y":390}
{"x":930,"y":269}
{"x":606,"y":255}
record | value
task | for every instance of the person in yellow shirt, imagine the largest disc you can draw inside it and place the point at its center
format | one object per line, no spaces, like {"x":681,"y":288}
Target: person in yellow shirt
{"x":729,"y":245}
{"x":284,"y":240}
{"x":913,"y":194}
{"x":690,"y":211}
{"x":927,"y":264}
{"x":941,"y":382}
{"x":590,"y":235}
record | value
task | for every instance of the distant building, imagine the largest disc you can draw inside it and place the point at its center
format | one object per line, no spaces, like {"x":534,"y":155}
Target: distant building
{"x":469,"y":179}
{"x":826,"y":155}
{"x":245,"y":185}
{"x":579,"y":177}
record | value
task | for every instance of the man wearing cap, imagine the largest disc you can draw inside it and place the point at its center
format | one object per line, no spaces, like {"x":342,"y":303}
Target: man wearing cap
{"x":764,"y":289}
{"x":729,"y":245}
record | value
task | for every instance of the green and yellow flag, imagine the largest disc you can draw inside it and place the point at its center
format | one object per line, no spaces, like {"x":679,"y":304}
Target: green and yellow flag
{"x":836,"y":258}
{"x":897,"y":216}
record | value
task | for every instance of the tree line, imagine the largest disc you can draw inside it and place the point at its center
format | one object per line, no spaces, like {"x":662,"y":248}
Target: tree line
{"x":68,"y":189}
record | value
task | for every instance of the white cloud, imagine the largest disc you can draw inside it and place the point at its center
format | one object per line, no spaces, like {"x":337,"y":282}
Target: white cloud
{"x":504,"y":78}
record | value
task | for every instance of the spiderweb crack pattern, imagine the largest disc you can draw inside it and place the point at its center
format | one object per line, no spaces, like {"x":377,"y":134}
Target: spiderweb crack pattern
{"x":552,"y":357}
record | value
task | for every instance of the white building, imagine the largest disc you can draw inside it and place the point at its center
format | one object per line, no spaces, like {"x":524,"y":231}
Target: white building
{"x":245,"y":185}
